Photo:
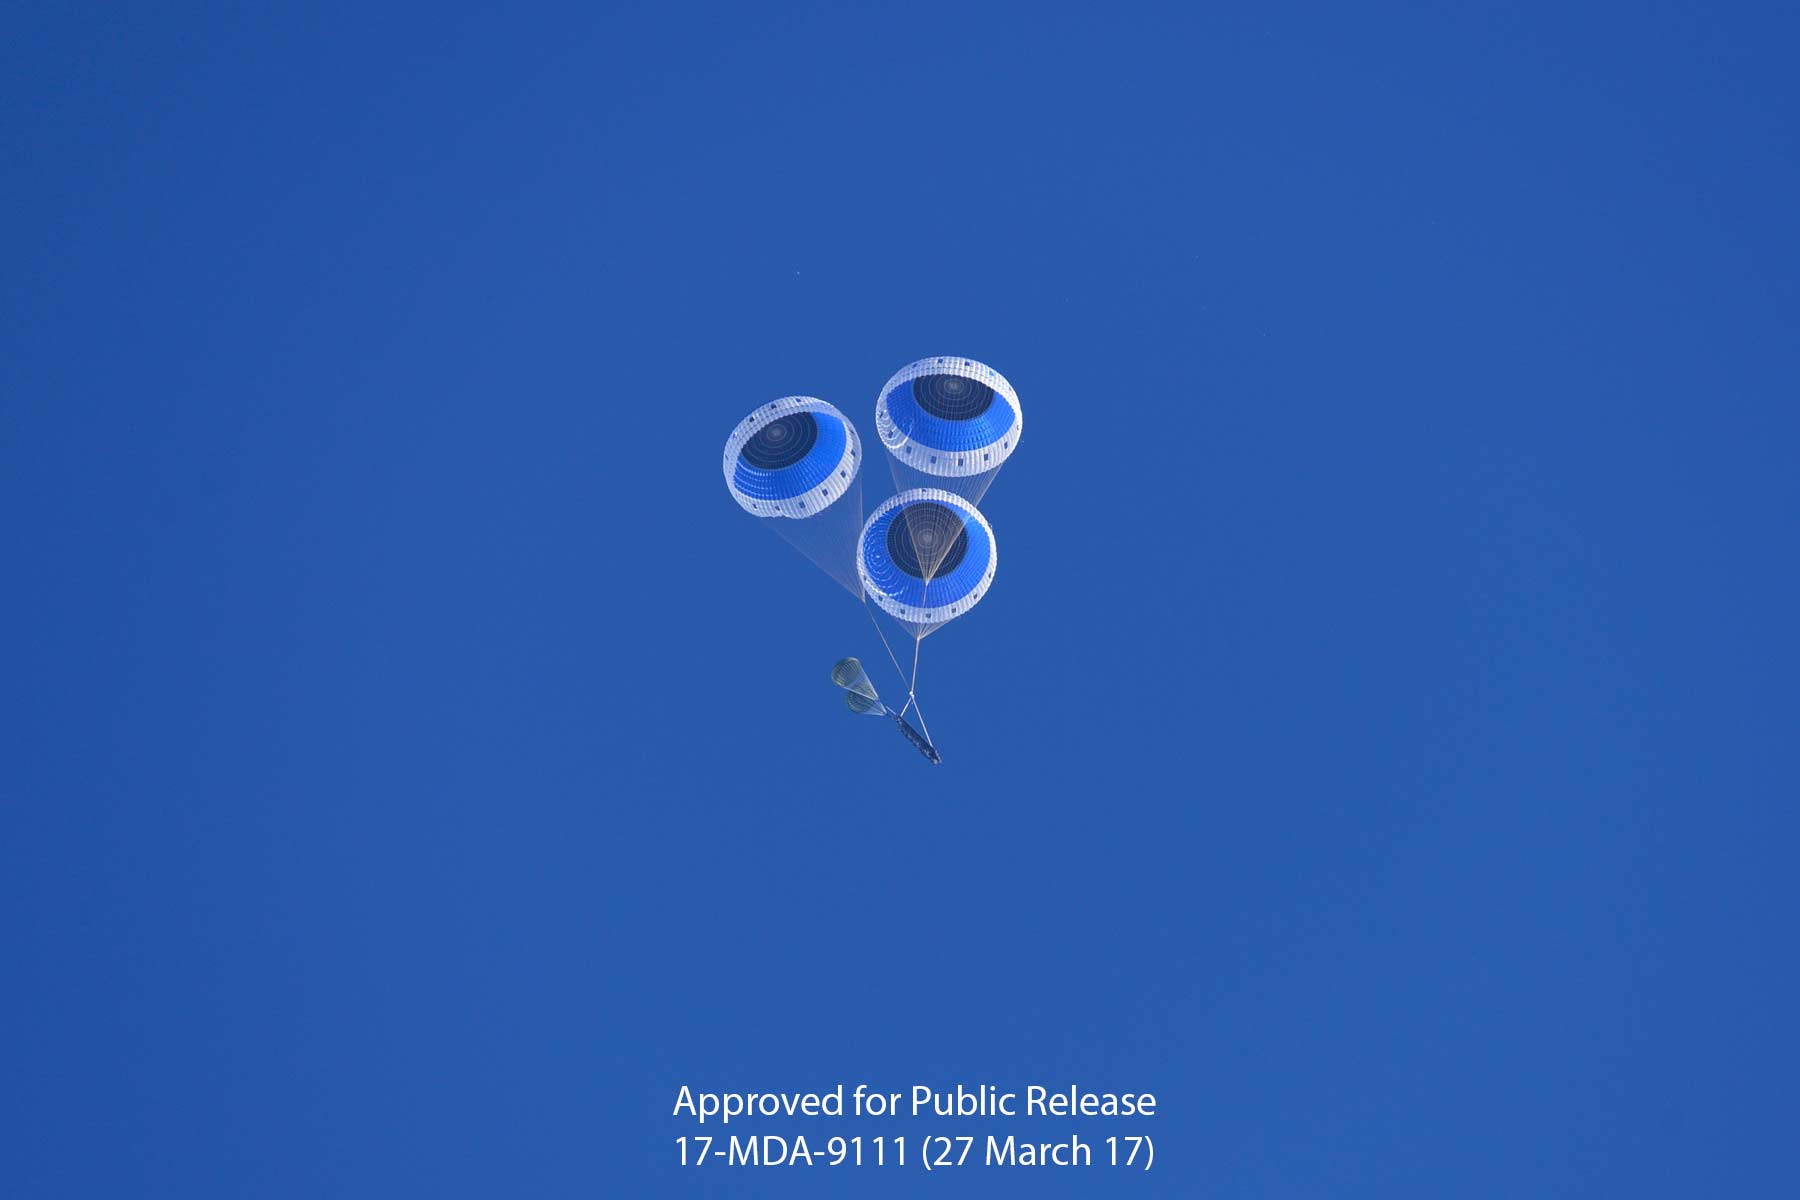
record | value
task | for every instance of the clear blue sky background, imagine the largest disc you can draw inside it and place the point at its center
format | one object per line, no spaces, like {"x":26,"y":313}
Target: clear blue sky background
{"x":1379,"y":741}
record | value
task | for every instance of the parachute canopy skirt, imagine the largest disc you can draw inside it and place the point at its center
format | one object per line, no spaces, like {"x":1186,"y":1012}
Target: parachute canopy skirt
{"x":794,"y":464}
{"x":926,"y":558}
{"x":948,"y":423}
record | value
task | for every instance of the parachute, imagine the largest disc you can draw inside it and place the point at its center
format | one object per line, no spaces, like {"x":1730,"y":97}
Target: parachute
{"x":949,"y":423}
{"x":794,"y":464}
{"x":859,"y":692}
{"x":863,"y":706}
{"x":926,"y":556}
{"x":850,"y":676}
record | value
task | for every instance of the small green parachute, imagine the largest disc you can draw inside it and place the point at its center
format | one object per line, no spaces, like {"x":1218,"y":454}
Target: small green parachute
{"x":864,"y":706}
{"x":850,"y":676}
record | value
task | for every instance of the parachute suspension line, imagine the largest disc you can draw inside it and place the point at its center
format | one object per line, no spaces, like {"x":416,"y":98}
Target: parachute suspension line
{"x":912,"y":682}
{"x":900,"y":670}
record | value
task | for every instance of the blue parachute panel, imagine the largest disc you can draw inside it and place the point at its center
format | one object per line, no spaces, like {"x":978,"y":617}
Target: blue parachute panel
{"x":824,"y":455}
{"x":947,"y":435}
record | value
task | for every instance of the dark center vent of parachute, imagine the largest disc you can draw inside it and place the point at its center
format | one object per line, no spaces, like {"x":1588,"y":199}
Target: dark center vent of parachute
{"x":927,"y":540}
{"x":782,"y":442}
{"x":951,"y":397}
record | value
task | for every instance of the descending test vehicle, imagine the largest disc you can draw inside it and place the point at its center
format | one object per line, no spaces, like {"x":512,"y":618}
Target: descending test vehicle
{"x":926,"y":555}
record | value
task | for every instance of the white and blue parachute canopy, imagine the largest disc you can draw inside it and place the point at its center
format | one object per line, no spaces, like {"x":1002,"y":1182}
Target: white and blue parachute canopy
{"x":794,"y":463}
{"x":792,"y":458}
{"x":926,"y":557}
{"x":949,"y":423}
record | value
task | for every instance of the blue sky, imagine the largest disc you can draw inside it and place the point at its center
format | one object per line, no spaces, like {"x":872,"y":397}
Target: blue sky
{"x":1378,"y":741}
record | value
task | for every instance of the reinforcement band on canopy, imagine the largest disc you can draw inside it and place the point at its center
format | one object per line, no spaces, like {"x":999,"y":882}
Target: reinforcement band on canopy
{"x":792,"y":458}
{"x":951,"y":417}
{"x":927,"y":556}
